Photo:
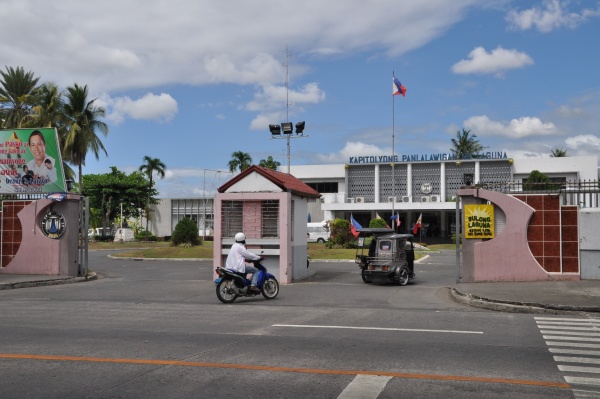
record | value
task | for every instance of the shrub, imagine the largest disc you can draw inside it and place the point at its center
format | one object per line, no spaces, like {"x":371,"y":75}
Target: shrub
{"x":341,"y":237}
{"x":377,"y":223}
{"x":145,"y":237}
{"x":186,"y":232}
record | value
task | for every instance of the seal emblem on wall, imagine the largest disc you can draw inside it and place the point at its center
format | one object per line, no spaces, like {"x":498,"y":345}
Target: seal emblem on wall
{"x":53,"y":224}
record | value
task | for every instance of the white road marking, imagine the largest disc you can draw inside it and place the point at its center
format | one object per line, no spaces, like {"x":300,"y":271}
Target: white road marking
{"x":574,"y":352}
{"x":573,"y":333}
{"x":579,"y":369}
{"x":379,"y":329}
{"x":365,"y":387}
{"x":572,"y":359}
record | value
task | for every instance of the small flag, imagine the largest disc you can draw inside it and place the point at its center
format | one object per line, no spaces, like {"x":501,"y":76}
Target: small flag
{"x":398,"y":221}
{"x":379,"y":217}
{"x":398,"y":88}
{"x":354,"y":226}
{"x":417,"y":225}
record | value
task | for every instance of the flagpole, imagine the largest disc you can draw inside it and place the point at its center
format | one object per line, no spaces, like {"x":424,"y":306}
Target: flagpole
{"x":393,"y":154}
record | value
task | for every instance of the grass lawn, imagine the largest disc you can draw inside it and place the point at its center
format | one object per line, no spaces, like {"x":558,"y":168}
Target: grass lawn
{"x":164,"y":250}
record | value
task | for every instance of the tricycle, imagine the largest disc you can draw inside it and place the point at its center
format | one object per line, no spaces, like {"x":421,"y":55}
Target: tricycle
{"x":381,"y":253}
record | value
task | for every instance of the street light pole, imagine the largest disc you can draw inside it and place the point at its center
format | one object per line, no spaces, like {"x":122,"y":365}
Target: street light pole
{"x":287,"y":128}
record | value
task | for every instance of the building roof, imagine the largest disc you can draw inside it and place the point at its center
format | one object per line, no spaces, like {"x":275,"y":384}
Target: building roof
{"x":284,"y":181}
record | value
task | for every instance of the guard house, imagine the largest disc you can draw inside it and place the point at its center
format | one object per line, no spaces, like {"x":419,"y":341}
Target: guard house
{"x":270,"y":207}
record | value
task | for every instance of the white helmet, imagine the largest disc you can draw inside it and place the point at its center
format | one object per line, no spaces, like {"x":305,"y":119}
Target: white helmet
{"x":240,"y":237}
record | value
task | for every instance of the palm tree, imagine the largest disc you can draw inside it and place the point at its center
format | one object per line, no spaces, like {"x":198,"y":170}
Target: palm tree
{"x":558,"y":153}
{"x":150,"y":166}
{"x":269,"y":163}
{"x":16,"y":89}
{"x":83,"y":123}
{"x":465,"y":145}
{"x":239,"y":160}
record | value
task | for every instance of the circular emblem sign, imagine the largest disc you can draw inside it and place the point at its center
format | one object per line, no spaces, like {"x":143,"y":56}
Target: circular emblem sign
{"x":426,"y":188}
{"x":53,"y":224}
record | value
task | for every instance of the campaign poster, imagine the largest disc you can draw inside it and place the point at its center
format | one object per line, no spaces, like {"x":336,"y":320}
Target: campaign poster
{"x":479,"y":221}
{"x":30,"y":162}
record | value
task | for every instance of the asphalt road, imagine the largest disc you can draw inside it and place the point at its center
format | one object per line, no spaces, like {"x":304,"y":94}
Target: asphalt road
{"x":155,"y":329}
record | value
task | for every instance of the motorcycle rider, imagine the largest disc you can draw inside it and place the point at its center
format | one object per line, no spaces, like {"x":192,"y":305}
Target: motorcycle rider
{"x":236,"y":260}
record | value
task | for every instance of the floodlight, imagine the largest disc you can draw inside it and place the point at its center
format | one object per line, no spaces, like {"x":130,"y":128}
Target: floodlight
{"x":287,"y":127}
{"x":275,"y":130}
{"x":299,"y":127}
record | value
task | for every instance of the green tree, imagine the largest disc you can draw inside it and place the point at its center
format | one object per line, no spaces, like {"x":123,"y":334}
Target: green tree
{"x":16,"y":88}
{"x":185,"y":233}
{"x":269,"y":163}
{"x":558,"y":153}
{"x":378,"y":223}
{"x":239,"y":161}
{"x":83,"y":125}
{"x":465,"y":145}
{"x":536,"y":181}
{"x":150,"y":166}
{"x":340,"y":234}
{"x":107,"y":191}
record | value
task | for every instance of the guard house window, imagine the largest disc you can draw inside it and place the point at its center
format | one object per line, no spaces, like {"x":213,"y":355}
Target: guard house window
{"x":232,"y":218}
{"x":270,"y":218}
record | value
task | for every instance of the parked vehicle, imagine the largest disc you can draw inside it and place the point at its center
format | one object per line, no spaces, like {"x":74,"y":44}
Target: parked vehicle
{"x":231,"y":284}
{"x":317,"y":232}
{"x":386,"y":255}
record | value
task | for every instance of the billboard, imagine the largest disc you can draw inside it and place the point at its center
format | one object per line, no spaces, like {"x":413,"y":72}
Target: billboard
{"x":30,"y":162}
{"x":479,"y":221}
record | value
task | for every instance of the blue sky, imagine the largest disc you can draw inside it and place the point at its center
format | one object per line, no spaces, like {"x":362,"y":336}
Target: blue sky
{"x":190,"y":82}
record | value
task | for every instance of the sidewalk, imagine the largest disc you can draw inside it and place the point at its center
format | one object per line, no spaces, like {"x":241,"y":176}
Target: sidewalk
{"x":9,"y":281}
{"x":549,"y":297}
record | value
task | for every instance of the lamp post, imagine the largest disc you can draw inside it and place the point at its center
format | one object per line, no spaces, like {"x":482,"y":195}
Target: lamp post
{"x":287,"y":128}
{"x":121,"y":240}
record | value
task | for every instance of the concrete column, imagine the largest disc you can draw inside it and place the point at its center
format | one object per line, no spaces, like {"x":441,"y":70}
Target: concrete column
{"x":442,"y":182}
{"x":377,"y":183}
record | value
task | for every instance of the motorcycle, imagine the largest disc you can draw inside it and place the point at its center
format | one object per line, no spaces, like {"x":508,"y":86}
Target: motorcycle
{"x":232,"y":284}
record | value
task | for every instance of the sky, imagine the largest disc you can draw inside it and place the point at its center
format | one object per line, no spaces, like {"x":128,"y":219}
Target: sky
{"x":191,"y":82}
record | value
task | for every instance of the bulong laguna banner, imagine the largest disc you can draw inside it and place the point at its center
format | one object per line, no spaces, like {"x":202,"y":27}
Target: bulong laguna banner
{"x":30,"y":162}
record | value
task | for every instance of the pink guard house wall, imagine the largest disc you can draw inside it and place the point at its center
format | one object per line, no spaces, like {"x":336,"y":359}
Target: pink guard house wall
{"x":26,"y":250}
{"x":517,"y":252}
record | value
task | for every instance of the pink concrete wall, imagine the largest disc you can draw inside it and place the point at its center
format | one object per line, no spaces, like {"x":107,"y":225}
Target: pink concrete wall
{"x":507,"y":257}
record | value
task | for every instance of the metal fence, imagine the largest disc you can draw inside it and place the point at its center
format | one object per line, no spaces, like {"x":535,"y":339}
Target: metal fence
{"x":582,"y":193}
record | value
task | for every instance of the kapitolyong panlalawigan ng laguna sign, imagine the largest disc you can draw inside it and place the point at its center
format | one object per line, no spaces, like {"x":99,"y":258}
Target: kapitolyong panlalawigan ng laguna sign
{"x":424,"y":157}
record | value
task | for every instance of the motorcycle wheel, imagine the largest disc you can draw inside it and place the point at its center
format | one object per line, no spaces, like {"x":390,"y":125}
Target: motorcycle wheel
{"x":403,"y":276}
{"x":365,"y":278}
{"x":270,"y":288}
{"x":226,"y":291}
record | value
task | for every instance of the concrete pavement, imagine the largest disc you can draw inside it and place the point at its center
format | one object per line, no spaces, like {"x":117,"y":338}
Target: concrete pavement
{"x":549,"y":297}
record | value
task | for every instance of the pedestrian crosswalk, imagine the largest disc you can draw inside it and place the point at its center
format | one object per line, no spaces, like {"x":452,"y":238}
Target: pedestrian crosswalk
{"x":575,"y":345}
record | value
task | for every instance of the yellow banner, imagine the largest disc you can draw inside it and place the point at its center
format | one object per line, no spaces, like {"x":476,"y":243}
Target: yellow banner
{"x":479,"y":221}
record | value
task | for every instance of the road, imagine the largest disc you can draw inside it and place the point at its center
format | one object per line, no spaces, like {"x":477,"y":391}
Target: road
{"x":155,"y":329}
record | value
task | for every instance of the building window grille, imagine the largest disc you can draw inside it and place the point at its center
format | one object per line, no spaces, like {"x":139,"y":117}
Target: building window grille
{"x":270,"y":218}
{"x":232,"y":218}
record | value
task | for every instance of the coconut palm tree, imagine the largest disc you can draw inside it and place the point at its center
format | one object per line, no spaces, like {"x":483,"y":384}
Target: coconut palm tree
{"x":150,"y":166}
{"x":558,"y":153}
{"x":83,"y":124}
{"x":269,"y":163}
{"x":465,"y":144}
{"x":16,"y":89}
{"x":239,"y":160}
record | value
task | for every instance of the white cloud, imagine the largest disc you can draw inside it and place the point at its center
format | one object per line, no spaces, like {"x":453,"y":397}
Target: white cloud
{"x":584,"y":144}
{"x":160,"y":107}
{"x":352,"y":149}
{"x":517,"y":128}
{"x":496,"y":62}
{"x":551,"y":15}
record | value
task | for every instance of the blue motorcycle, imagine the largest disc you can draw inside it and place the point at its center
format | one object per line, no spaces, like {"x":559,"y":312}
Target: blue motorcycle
{"x":232,"y":284}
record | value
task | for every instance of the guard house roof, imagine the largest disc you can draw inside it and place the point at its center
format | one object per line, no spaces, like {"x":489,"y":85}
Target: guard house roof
{"x":284,"y":181}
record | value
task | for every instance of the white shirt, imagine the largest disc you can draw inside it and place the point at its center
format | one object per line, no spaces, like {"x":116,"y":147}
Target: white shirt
{"x":236,"y":258}
{"x":43,"y":171}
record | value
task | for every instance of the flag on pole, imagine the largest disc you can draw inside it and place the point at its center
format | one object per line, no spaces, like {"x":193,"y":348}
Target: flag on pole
{"x":398,"y":221}
{"x":379,"y":217}
{"x":398,"y":88}
{"x":354,"y":225}
{"x":417,"y":225}
{"x":394,"y":219}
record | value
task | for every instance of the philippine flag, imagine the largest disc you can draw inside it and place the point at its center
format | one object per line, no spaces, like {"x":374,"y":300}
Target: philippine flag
{"x":398,"y":88}
{"x":379,"y":217}
{"x":354,"y":225}
{"x":417,"y":225}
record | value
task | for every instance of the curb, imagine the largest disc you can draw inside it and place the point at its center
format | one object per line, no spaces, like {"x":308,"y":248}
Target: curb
{"x":41,"y":283}
{"x":517,"y":307}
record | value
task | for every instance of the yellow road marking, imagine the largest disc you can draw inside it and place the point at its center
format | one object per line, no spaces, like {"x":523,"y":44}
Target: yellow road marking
{"x":282,"y":369}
